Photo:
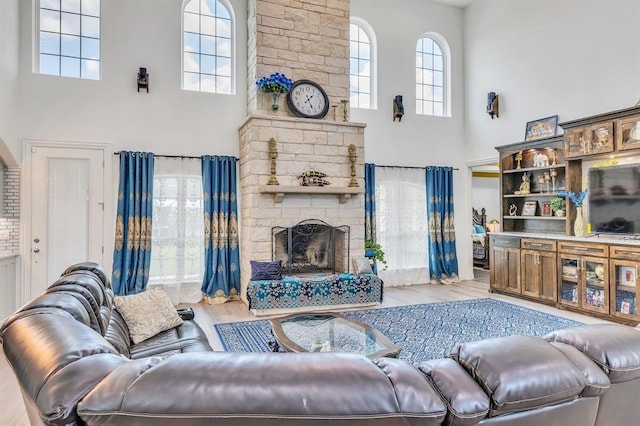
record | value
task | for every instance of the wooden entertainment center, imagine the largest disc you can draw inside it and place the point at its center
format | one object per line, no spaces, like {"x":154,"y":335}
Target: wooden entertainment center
{"x":537,"y":256}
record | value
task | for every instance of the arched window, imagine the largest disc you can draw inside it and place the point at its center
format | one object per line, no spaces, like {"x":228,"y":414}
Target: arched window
{"x":362,"y":73}
{"x":432,"y":76}
{"x":208,"y":46}
{"x":69,"y":38}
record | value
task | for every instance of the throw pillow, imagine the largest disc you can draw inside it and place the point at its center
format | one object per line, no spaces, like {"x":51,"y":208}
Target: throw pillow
{"x":266,"y":270}
{"x":362,"y":265}
{"x":147,"y":313}
{"x":478,"y":229}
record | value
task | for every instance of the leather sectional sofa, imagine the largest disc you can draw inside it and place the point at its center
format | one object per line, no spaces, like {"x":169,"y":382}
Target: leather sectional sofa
{"x":71,"y":353}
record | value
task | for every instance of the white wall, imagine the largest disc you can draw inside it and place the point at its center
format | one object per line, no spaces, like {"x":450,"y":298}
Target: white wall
{"x":417,"y":140}
{"x":572,"y":58}
{"x":9,"y":144}
{"x":168,"y":120}
{"x":486,"y":193}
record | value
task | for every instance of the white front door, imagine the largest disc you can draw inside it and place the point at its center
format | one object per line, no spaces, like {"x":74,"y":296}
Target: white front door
{"x":67,"y":211}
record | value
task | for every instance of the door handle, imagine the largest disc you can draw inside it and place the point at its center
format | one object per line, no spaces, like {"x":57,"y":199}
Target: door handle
{"x":36,"y":250}
{"x":36,"y":240}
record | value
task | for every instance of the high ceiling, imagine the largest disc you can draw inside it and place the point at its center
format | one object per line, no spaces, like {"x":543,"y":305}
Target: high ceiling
{"x":459,"y":3}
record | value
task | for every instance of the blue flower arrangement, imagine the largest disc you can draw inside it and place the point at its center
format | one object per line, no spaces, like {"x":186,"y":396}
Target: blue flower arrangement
{"x":576,"y":199}
{"x":275,"y":83}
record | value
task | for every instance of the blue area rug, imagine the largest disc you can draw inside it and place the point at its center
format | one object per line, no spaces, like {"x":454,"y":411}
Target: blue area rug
{"x":423,"y":332}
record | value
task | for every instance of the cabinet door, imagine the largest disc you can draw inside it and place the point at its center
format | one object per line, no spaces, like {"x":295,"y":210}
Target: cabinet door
{"x":568,"y":279}
{"x":595,"y":276}
{"x":624,"y":288}
{"x":548,"y":276}
{"x":530,"y":273}
{"x":506,"y":269}
{"x":577,"y":142}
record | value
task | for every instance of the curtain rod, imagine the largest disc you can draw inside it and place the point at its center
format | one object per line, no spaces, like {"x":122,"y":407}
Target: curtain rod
{"x":410,"y":167}
{"x":172,"y":156}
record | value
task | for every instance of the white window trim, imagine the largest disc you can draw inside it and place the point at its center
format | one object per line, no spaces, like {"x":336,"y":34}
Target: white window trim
{"x":35,"y":48}
{"x":446,"y":63}
{"x":368,"y":29}
{"x":232,"y":14}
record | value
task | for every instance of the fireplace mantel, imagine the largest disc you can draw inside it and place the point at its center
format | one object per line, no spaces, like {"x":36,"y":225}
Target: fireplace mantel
{"x":279,"y":191}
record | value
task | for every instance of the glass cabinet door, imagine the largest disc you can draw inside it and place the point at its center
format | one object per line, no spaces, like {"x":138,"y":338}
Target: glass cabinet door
{"x":595,"y":294}
{"x":568,"y":292}
{"x":625,"y":277}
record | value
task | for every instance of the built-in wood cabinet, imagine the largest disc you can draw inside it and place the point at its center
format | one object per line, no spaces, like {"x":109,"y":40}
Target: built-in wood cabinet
{"x":505,"y":261}
{"x":624,"y":281}
{"x":584,"y":276}
{"x":538,"y":269}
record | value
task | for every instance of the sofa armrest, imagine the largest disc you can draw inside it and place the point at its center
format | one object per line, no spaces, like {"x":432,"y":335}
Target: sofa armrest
{"x":257,"y":388}
{"x":467,"y":402}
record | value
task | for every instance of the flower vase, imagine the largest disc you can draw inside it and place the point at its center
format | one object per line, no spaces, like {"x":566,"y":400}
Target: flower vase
{"x":579,"y":226}
{"x":275,"y":97}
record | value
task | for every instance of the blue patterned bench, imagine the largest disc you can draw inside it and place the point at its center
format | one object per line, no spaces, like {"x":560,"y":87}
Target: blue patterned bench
{"x":314,"y":291}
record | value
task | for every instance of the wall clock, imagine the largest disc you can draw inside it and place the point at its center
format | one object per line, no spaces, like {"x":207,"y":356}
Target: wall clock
{"x":308,"y":99}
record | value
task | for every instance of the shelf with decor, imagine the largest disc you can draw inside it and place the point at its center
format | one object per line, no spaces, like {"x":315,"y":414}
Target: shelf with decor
{"x":531,"y":174}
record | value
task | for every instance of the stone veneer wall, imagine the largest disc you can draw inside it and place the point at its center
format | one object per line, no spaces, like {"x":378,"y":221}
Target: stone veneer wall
{"x":10,"y":217}
{"x":302,"y":145}
{"x":304,"y":39}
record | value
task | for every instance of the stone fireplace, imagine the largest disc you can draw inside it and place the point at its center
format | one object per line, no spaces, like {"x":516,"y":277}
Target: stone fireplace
{"x":305,"y":39}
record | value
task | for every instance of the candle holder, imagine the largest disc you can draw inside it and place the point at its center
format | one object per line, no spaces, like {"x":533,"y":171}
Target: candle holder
{"x":352,"y":159}
{"x":345,"y":110}
{"x":554,"y":174}
{"x":273,"y":154}
{"x":547,"y":178}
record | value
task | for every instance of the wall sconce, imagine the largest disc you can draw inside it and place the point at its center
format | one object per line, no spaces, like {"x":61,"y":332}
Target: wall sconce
{"x":398,"y":108}
{"x":143,"y":79}
{"x":494,"y":226}
{"x":492,"y":104}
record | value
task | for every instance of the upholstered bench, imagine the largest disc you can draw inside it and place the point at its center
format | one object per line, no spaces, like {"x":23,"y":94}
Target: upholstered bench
{"x":313,"y":292}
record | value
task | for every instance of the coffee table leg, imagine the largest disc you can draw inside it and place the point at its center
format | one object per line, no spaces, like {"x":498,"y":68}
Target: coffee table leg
{"x":273,"y":344}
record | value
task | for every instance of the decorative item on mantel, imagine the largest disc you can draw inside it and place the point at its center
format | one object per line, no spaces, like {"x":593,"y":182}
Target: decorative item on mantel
{"x":276,"y":84}
{"x":273,"y":154}
{"x":352,"y":159}
{"x":579,"y":226}
{"x":345,"y":110}
{"x":313,"y":178}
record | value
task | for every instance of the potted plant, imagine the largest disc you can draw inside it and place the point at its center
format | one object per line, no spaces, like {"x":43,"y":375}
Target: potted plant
{"x":374,"y":251}
{"x":276,"y":84}
{"x":559,"y":206}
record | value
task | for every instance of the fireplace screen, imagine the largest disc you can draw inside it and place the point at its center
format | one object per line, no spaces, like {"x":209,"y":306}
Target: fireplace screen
{"x":312,"y":246}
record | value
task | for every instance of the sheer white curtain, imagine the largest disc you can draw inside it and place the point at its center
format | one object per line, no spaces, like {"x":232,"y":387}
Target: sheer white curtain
{"x":177,"y":241}
{"x":401,"y":225}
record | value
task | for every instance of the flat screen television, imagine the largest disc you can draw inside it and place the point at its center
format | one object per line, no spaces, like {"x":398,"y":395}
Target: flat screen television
{"x":614,"y":199}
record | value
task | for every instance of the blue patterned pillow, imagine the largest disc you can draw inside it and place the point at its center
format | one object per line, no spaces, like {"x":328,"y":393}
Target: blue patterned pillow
{"x":266,"y":270}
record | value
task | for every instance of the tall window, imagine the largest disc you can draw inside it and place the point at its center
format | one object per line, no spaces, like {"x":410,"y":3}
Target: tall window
{"x":431,"y":77}
{"x":402,"y":225}
{"x":208,"y":47}
{"x":69,"y":38}
{"x":177,"y":239}
{"x":362,"y":64}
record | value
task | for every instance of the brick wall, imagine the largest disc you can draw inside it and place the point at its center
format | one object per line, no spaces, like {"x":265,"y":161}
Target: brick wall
{"x":304,"y":39}
{"x":10,"y":219}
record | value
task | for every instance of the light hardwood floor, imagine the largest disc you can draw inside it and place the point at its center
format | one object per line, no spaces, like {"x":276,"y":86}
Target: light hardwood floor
{"x":13,"y":413}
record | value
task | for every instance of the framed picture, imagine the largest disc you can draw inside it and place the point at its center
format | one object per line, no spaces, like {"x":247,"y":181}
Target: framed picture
{"x":529,"y":208}
{"x":546,"y":209}
{"x":542,"y":128}
{"x":627,"y":276}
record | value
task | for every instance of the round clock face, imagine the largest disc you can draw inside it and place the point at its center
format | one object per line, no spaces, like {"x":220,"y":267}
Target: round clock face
{"x":307,"y":99}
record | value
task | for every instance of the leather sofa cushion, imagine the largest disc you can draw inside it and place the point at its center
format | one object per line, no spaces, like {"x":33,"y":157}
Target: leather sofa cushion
{"x":597,"y":380}
{"x":520,"y":373}
{"x":91,"y":267}
{"x":187,"y":337}
{"x":263,"y":389}
{"x":614,"y":347}
{"x":467,"y":403}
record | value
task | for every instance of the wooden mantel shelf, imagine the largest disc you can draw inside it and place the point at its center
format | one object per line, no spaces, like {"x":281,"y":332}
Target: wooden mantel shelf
{"x":279,"y":191}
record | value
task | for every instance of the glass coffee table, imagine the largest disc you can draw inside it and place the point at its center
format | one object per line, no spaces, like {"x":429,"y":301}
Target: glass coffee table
{"x":329,"y":332}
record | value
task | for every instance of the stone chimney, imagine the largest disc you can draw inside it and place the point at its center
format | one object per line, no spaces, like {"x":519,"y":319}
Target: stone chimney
{"x":304,"y":39}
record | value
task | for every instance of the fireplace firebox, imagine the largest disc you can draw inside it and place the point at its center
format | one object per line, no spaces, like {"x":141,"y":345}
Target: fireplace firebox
{"x":311,"y":247}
